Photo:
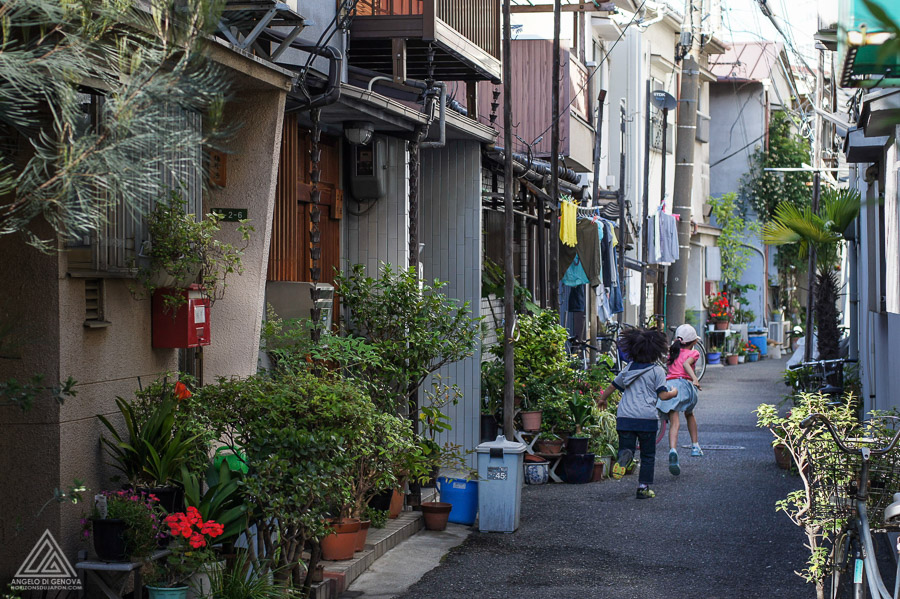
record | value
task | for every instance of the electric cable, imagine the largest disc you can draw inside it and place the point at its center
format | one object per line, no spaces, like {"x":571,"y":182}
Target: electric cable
{"x":596,"y":69}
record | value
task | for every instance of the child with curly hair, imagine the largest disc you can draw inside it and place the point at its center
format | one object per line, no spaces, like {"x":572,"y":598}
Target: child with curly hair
{"x":641,"y":382}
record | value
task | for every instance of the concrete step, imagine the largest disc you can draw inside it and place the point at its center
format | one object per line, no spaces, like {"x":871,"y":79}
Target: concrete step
{"x":339,"y":575}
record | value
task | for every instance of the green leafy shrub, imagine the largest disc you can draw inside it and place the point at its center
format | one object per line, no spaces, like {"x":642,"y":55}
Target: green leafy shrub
{"x":414,"y":328}
{"x":296,"y":433}
{"x":806,"y":446}
{"x":183,"y":250}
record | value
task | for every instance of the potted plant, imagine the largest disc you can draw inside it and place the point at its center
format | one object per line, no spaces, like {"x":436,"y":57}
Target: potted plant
{"x":581,"y":408}
{"x":124,"y":524}
{"x":714,"y":355}
{"x":182,"y":250}
{"x":741,"y":353}
{"x":339,"y":542}
{"x":752,"y":352}
{"x":719,"y":310}
{"x":731,"y":359}
{"x":151,"y":453}
{"x":189,"y":552}
{"x":604,"y":442}
{"x":549,"y":444}
{"x":531,"y":412}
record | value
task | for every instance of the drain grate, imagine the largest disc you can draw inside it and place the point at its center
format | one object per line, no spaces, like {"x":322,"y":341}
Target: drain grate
{"x":723,"y":447}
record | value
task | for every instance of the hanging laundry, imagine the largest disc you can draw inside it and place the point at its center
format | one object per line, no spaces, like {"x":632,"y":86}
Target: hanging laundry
{"x":575,"y":274}
{"x":587,"y":250}
{"x":662,"y":238}
{"x":607,"y":254}
{"x":668,"y":236}
{"x":603,"y":311}
{"x":568,"y":215}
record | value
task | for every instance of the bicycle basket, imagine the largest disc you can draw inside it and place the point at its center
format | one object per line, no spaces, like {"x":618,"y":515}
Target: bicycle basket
{"x":834,"y":478}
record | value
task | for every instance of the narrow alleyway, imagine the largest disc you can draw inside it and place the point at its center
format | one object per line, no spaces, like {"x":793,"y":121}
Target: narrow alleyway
{"x":712,"y":532}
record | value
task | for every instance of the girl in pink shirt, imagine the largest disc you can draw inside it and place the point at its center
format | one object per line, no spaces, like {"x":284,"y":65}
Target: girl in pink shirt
{"x":682,"y":357}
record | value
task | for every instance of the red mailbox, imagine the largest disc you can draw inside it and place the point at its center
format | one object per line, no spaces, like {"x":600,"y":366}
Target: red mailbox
{"x":182,"y":327}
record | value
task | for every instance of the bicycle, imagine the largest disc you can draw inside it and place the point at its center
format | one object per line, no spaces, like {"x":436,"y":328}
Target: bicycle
{"x":852,"y":484}
{"x":822,"y":376}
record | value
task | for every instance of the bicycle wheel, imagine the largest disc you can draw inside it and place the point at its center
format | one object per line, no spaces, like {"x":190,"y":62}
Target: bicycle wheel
{"x":661,"y":431}
{"x":848,"y":575}
{"x":700,"y":366}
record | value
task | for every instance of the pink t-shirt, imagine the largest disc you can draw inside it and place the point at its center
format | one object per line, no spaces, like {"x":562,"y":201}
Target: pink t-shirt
{"x":676,"y":369}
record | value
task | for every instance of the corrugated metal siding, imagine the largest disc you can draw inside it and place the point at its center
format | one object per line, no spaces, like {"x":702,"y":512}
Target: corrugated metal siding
{"x":451,"y":231}
{"x":381,"y":234}
{"x":532,"y":77}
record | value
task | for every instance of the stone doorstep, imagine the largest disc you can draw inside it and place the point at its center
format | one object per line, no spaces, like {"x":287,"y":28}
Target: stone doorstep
{"x":339,"y":575}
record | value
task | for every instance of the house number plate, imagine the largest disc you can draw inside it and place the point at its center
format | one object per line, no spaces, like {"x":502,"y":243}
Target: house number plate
{"x":497,"y":473}
{"x":231,"y":214}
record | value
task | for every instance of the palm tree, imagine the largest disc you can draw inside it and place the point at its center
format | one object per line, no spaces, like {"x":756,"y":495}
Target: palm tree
{"x":823,"y":231}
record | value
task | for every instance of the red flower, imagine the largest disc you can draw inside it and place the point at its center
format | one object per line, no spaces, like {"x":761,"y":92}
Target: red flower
{"x":197,"y":541}
{"x":181,"y":391}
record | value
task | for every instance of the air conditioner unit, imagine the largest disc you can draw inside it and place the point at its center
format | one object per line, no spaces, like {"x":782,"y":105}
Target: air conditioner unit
{"x":293,"y":300}
{"x":776,"y":331}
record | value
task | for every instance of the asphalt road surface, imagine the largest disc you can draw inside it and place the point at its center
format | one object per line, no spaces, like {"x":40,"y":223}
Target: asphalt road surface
{"x":710,"y":533}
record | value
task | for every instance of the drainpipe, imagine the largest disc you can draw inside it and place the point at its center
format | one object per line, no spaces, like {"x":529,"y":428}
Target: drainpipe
{"x":442,"y":115}
{"x":442,"y":119}
{"x":853,"y":283}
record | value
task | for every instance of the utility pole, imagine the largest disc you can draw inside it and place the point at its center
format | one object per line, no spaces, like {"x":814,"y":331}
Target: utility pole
{"x":645,"y":209}
{"x":554,"y":162}
{"x":509,"y":314}
{"x":676,"y":292}
{"x":623,"y":117}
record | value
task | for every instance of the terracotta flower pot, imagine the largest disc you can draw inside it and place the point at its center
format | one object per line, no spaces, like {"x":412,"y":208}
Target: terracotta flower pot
{"x":362,"y":534}
{"x":722,"y":325}
{"x":340,"y":543}
{"x":531,"y":421}
{"x":732,"y":360}
{"x":550,"y":446}
{"x":436,"y":514}
{"x":598,"y":472}
{"x":782,"y":456}
{"x":396,"y":505}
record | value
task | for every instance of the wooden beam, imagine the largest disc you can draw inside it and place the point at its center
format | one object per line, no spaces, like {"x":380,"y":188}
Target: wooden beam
{"x":580,"y":7}
{"x":398,"y":57}
{"x":472,"y":99}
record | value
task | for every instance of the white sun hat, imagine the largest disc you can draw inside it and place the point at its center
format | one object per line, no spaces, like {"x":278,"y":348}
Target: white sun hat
{"x":686,"y":333}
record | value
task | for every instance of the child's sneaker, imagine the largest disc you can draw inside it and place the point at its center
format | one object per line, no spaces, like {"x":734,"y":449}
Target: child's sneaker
{"x":696,"y":452}
{"x":674,"y":468}
{"x":621,"y":465}
{"x":645,"y":493}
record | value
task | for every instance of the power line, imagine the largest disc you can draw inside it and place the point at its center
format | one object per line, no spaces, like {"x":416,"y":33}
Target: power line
{"x":738,"y":151}
{"x":595,"y":71}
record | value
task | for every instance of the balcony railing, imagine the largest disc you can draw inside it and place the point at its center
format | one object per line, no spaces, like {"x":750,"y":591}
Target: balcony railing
{"x":477,"y":20}
{"x":376,"y":8}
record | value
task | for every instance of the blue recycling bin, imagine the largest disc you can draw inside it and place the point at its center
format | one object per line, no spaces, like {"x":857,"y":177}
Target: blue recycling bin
{"x":500,"y":479}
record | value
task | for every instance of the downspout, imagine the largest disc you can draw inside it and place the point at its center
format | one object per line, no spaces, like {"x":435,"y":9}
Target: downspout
{"x":442,"y":119}
{"x":442,"y":116}
{"x":853,"y":283}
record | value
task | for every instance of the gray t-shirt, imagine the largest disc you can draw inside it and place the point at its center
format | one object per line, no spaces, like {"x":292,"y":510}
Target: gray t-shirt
{"x":640,"y":385}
